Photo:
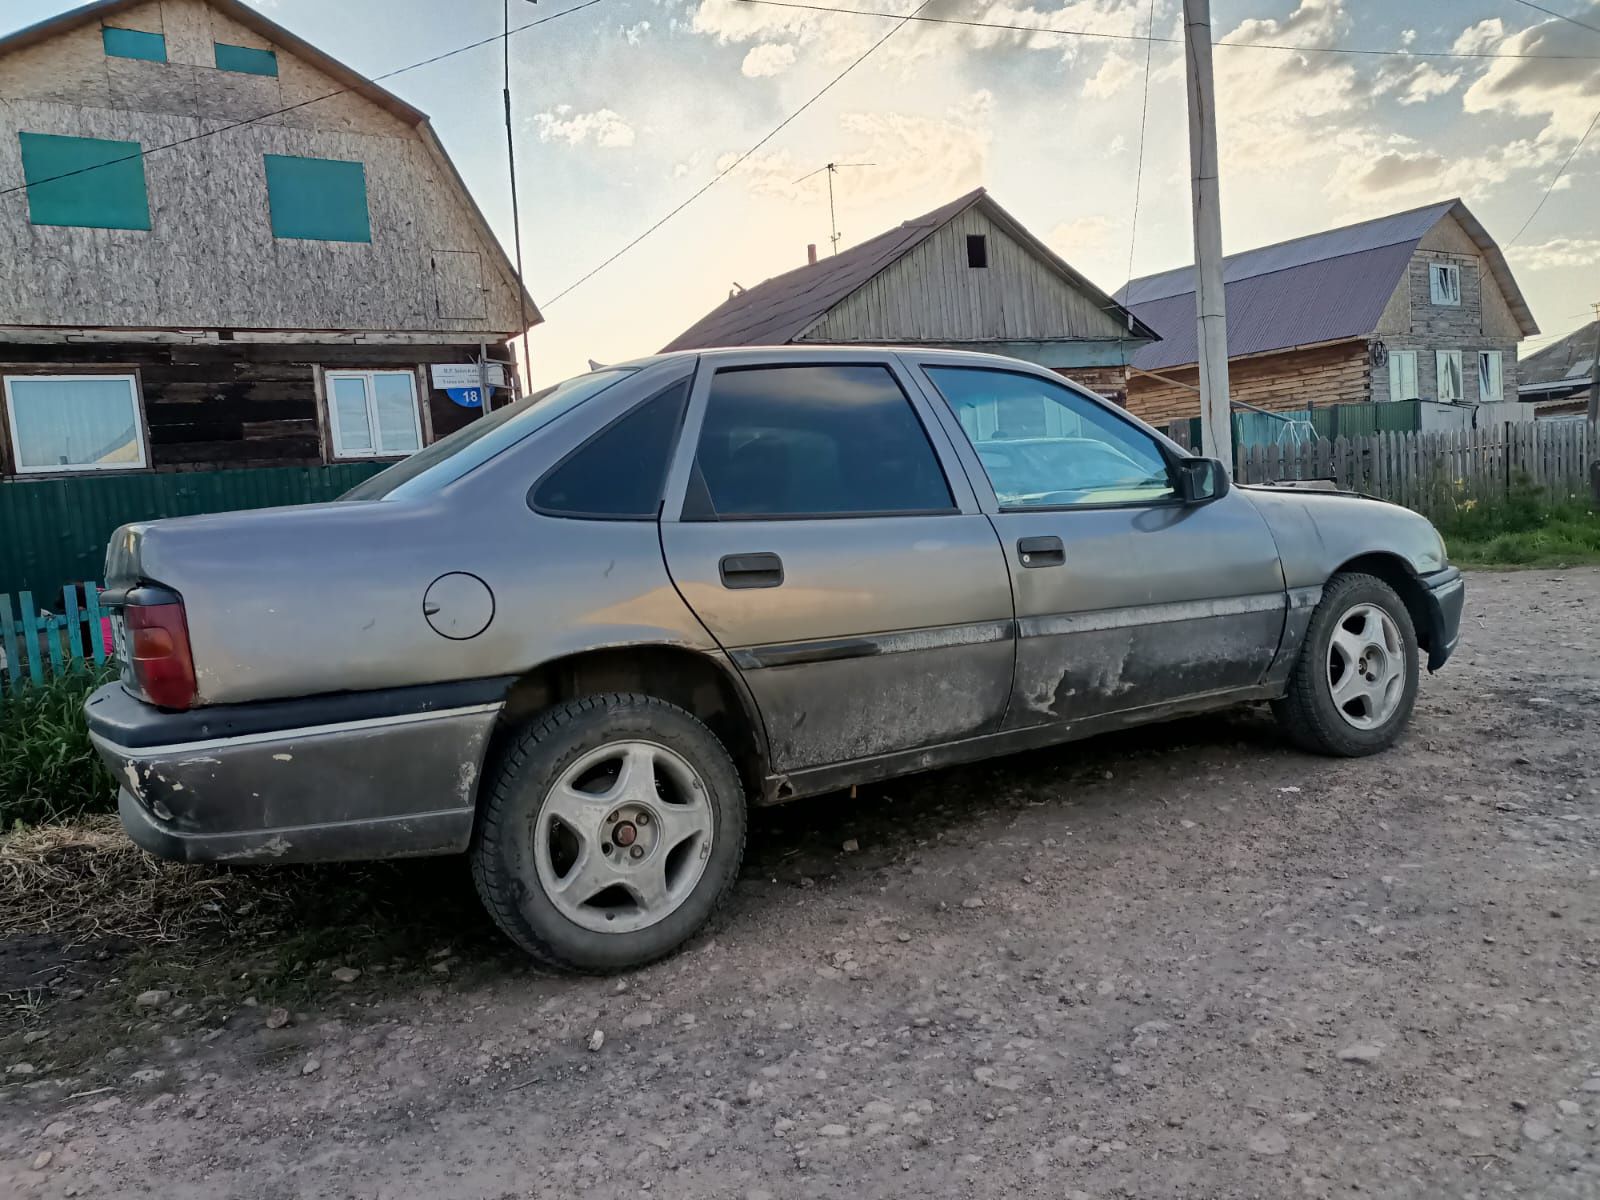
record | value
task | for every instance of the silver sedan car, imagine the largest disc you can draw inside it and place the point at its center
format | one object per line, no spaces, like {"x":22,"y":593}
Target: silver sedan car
{"x":576,"y":639}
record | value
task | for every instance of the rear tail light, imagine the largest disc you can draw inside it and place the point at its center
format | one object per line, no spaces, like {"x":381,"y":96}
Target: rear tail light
{"x":159,"y":657}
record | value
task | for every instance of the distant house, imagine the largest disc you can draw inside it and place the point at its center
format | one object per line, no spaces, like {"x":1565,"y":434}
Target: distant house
{"x":967,"y":275}
{"x":270,"y":294}
{"x":219,"y":248}
{"x":1557,"y":380}
{"x":1416,"y":306}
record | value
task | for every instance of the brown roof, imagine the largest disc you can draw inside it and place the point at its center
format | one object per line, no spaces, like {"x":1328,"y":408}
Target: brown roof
{"x":324,"y":62}
{"x":782,"y":308}
{"x":1320,"y":288}
{"x":1563,"y":364}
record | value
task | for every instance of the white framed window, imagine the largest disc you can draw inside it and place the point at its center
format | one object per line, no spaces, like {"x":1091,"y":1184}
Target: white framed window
{"x":1490,"y":386}
{"x":373,"y":414}
{"x":1449,"y":368}
{"x":75,"y":423}
{"x":1403,"y":375}
{"x":1444,"y":283}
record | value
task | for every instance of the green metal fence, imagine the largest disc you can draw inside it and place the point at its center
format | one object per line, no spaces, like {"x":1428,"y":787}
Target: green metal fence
{"x":54,"y":531}
{"x":1330,"y":421}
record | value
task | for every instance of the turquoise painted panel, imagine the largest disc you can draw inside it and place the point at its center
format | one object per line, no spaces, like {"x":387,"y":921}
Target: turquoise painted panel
{"x":90,"y":183}
{"x":134,"y":43}
{"x":246,"y":60}
{"x":320,"y":199}
{"x":54,"y":531}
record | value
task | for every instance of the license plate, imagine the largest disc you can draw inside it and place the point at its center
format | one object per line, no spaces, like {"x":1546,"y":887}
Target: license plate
{"x":119,"y":638}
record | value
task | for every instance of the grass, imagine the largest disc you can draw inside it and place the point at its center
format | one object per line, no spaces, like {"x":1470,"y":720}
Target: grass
{"x":48,"y":770}
{"x":1525,"y":530}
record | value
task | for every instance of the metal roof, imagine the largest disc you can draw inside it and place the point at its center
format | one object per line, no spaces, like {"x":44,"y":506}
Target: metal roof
{"x":777,"y":311}
{"x":1565,"y":363}
{"x":1319,"y":288}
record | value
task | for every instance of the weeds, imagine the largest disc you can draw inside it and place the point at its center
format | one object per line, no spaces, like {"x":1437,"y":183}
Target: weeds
{"x":1525,"y":529}
{"x":48,"y":769}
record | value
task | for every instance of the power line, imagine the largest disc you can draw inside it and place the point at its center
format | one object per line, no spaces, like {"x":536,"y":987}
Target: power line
{"x":726,"y":171}
{"x":1144,"y":115}
{"x":1560,"y":16}
{"x":1595,"y":120}
{"x":1137,"y":37}
{"x":427,"y":62}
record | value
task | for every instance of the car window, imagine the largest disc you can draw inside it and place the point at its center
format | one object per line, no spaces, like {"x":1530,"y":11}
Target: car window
{"x":448,"y":459}
{"x":827,"y":441}
{"x":1044,"y":446}
{"x":617,"y":474}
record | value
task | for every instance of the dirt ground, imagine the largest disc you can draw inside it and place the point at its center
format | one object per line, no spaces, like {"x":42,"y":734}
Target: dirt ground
{"x":1183,"y":962}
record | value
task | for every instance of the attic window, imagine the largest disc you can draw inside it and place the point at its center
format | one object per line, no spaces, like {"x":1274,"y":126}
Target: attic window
{"x":245,"y":60}
{"x":977,"y":250}
{"x":1444,"y":284}
{"x":134,"y":43}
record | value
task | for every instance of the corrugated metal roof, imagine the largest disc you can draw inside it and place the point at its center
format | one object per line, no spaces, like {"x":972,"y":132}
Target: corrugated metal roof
{"x":780,"y":309}
{"x":1317,"y":302}
{"x":1318,"y":288}
{"x":1568,"y":361}
{"x":1408,"y":227}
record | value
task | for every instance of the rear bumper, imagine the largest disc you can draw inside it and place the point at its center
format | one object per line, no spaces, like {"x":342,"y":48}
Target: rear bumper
{"x":374,"y":786}
{"x":1447,"y":593}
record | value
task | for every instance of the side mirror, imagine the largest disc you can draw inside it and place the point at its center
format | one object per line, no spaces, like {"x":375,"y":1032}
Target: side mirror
{"x":1201,"y":480}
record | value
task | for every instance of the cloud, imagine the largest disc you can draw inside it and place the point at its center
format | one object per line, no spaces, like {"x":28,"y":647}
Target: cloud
{"x":1557,"y":253}
{"x":635,"y":33}
{"x":1564,"y":91}
{"x":1394,"y":170}
{"x":602,"y":127}
{"x":1084,"y":235}
{"x":932,"y":158}
{"x":1426,"y":83}
{"x":1117,"y":71}
{"x":769,"y":58}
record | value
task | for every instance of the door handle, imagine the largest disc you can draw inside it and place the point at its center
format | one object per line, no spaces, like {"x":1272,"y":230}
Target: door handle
{"x":751,"y":571}
{"x":1041,"y":551}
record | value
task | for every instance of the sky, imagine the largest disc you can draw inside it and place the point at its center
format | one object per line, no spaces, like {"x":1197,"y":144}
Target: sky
{"x":624,"y":109}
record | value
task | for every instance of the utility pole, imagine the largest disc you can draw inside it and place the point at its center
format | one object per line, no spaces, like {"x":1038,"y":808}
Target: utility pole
{"x":1594,"y":370}
{"x":516,"y":217}
{"x":1216,"y":422}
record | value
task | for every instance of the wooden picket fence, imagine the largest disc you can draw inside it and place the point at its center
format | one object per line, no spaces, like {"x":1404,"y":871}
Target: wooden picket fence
{"x":35,"y":644}
{"x":1434,"y":473}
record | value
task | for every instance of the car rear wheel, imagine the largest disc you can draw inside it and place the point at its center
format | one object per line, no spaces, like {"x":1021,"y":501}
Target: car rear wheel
{"x":612,"y":830}
{"x":1355,"y":682}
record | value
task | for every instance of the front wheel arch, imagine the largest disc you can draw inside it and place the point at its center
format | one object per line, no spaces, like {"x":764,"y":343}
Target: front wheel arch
{"x":1407,"y":584}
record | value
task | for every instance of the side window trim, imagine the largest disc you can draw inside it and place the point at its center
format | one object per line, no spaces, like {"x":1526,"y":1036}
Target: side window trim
{"x":676,"y":439}
{"x":678,"y":504}
{"x":973,"y":467}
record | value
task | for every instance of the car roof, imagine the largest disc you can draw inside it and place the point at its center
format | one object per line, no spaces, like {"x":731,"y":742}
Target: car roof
{"x":833,"y":351}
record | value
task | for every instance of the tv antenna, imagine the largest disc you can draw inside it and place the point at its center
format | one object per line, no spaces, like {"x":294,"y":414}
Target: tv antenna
{"x":832,"y":169}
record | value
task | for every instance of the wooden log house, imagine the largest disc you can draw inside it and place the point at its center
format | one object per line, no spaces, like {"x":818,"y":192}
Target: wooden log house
{"x":268,"y":292}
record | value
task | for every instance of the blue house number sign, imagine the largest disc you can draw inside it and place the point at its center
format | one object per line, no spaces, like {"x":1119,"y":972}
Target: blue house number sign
{"x":466,"y":397}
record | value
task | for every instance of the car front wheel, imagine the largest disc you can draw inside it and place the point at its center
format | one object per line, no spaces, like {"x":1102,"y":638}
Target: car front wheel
{"x":613,"y":829}
{"x":1355,"y":682}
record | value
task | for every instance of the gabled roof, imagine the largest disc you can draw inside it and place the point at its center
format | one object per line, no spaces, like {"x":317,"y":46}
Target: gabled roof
{"x":348,"y":77}
{"x":1564,"y":364}
{"x":1320,"y":288}
{"x":782,"y":308}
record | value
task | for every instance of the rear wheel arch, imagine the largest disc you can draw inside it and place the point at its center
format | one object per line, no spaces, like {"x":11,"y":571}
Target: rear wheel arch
{"x":1402,"y":577}
{"x":689,"y":679}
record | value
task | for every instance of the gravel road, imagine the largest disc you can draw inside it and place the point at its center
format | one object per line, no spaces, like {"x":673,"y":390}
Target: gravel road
{"x":1182,"y":962}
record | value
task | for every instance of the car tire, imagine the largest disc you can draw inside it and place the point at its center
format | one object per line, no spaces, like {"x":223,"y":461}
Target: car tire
{"x":611,"y":830}
{"x":1343,"y":699}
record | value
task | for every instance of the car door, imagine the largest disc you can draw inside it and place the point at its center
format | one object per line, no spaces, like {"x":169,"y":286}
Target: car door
{"x":813,"y":528}
{"x":1126,"y":596}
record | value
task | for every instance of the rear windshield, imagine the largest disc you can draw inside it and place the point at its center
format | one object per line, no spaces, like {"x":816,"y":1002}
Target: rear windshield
{"x":448,"y":459}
